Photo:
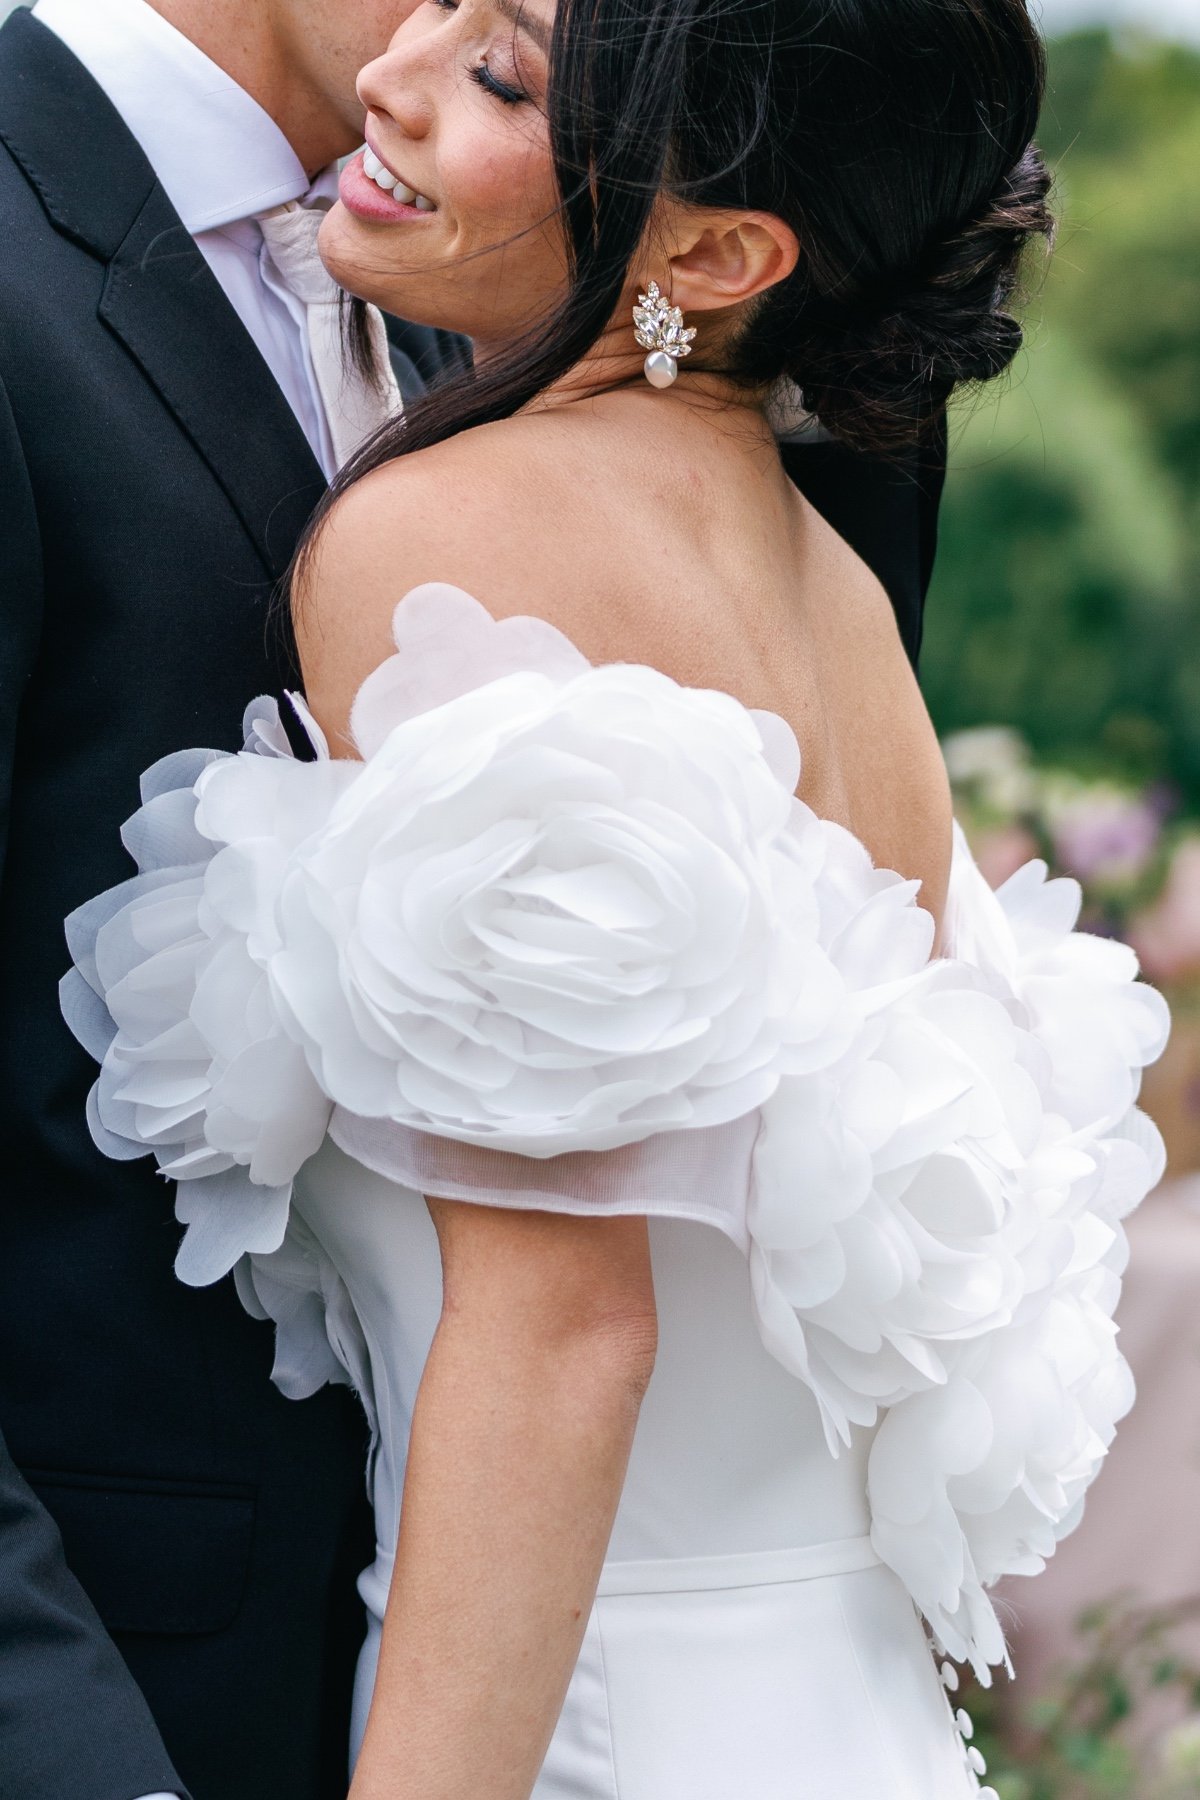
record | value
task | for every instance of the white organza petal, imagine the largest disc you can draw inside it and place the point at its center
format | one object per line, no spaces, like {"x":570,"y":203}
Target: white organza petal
{"x":447,"y":644}
{"x":264,"y":733}
{"x":263,"y":730}
{"x":177,"y":773}
{"x":318,"y":1339}
{"x":162,"y":833}
{"x":86,"y":1015}
{"x":110,"y":1143}
{"x":780,"y":748}
{"x":226,"y":1216}
{"x":167,"y":993}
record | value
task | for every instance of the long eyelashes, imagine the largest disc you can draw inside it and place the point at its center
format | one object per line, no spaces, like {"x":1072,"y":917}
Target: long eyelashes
{"x":484,"y":78}
{"x":481,"y":75}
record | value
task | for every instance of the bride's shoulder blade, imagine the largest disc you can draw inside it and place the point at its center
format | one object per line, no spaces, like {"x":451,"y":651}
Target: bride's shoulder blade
{"x":507,"y":513}
{"x":641,"y":549}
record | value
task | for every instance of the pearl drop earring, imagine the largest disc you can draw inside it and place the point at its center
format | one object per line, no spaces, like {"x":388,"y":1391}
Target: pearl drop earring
{"x":658,"y":327}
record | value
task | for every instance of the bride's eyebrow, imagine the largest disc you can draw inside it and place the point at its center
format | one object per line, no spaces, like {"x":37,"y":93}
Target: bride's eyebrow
{"x":520,"y":15}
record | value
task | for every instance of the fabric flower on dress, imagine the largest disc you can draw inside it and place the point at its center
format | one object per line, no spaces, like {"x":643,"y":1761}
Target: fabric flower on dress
{"x":170,"y":993}
{"x":566,"y":909}
{"x":318,"y":1337}
{"x":884,"y":1187}
{"x":983,"y":1475}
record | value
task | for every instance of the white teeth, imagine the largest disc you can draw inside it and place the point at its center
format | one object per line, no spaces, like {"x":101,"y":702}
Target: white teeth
{"x":392,"y":184}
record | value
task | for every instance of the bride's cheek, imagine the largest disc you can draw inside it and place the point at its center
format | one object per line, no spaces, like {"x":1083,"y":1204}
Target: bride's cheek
{"x":493,"y":180}
{"x":510,"y":179}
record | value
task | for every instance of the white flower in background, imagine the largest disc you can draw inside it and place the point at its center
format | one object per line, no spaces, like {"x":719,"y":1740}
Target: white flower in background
{"x":1180,"y":1760}
{"x":991,"y":763}
{"x":983,"y":750}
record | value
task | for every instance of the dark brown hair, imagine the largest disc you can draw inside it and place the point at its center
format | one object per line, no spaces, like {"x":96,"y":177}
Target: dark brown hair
{"x":894,"y":136}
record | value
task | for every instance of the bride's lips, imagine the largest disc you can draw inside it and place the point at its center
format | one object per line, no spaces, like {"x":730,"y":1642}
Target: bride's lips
{"x":367,"y":200}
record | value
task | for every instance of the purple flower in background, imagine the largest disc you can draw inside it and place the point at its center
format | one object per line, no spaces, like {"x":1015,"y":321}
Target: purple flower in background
{"x":1103,"y":834}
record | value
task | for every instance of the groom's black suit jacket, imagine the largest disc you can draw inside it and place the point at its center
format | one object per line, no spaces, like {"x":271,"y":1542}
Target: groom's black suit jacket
{"x":178,"y":1544}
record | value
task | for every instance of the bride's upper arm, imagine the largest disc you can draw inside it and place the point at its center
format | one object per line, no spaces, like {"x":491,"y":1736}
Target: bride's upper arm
{"x":549,"y":1279}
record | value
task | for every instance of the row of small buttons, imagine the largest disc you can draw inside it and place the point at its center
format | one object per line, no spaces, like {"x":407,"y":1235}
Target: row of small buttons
{"x":966,"y":1730}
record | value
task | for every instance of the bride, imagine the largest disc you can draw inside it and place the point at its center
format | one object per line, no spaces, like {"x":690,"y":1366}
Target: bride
{"x":577,"y":1023}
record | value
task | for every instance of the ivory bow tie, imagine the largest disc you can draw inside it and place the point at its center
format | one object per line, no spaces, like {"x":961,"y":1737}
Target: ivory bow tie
{"x":355,"y":406}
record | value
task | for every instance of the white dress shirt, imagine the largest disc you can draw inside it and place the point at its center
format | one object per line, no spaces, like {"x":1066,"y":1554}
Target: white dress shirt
{"x":222,"y":161}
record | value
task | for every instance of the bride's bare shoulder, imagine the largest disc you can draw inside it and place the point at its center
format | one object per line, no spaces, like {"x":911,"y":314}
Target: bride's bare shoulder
{"x":513,"y":513}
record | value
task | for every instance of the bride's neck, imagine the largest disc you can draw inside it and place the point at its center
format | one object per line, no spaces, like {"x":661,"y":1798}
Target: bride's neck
{"x":614,"y":367}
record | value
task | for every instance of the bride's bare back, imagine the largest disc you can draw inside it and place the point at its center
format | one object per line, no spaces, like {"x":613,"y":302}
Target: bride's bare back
{"x":659,"y":530}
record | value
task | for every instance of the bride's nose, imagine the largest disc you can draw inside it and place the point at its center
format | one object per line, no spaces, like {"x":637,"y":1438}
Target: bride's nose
{"x":395,"y":87}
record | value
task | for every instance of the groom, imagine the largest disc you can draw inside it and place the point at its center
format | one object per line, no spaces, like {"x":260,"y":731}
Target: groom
{"x":178,"y":1544}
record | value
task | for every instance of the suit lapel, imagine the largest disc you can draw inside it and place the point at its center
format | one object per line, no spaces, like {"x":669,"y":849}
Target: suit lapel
{"x":160,"y":298}
{"x":168,"y":309}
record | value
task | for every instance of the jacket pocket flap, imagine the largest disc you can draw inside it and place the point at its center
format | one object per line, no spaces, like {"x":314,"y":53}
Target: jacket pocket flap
{"x":159,"y":1557}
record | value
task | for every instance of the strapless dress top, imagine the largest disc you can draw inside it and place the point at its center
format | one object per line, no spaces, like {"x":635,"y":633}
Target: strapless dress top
{"x":564,"y":937}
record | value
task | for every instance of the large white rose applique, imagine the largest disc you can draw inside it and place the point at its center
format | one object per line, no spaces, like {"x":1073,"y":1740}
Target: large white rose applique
{"x":885,"y":1189}
{"x":564,"y":910}
{"x":984,"y":1473}
{"x":934,"y":1220}
{"x":553,"y":908}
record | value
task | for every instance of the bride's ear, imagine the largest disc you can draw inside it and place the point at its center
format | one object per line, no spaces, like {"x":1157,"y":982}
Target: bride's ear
{"x":721,"y":259}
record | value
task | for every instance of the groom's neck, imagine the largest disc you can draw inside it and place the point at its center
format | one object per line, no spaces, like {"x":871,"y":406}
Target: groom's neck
{"x":252,"y":42}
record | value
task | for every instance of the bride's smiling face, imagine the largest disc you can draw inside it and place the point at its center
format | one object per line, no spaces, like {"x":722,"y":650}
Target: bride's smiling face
{"x":451,"y":216}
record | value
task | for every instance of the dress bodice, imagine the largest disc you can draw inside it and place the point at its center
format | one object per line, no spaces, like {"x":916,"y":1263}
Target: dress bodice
{"x":565,"y":937}
{"x":729,"y":1456}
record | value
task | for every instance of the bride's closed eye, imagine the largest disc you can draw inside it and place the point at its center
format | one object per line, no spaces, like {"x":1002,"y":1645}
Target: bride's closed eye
{"x":482,"y":74}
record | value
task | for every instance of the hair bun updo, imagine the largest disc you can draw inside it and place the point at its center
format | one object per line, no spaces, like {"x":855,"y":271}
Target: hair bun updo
{"x":873,"y":373}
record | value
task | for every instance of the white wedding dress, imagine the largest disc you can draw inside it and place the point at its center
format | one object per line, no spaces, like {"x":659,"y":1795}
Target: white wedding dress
{"x":564,"y":938}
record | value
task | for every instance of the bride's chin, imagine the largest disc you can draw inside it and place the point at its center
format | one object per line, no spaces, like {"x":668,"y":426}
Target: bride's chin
{"x":434,"y":294}
{"x":357,"y":256}
{"x":353,"y":260}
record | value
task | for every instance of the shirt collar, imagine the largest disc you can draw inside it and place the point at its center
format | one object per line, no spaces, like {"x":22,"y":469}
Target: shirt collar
{"x":218,"y":155}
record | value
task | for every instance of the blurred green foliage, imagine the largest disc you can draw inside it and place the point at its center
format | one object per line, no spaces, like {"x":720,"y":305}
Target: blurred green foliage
{"x":1067,"y":596}
{"x":1080,"y":1739}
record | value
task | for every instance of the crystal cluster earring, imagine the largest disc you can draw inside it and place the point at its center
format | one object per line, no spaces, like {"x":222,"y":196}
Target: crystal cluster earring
{"x":658,"y":327}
